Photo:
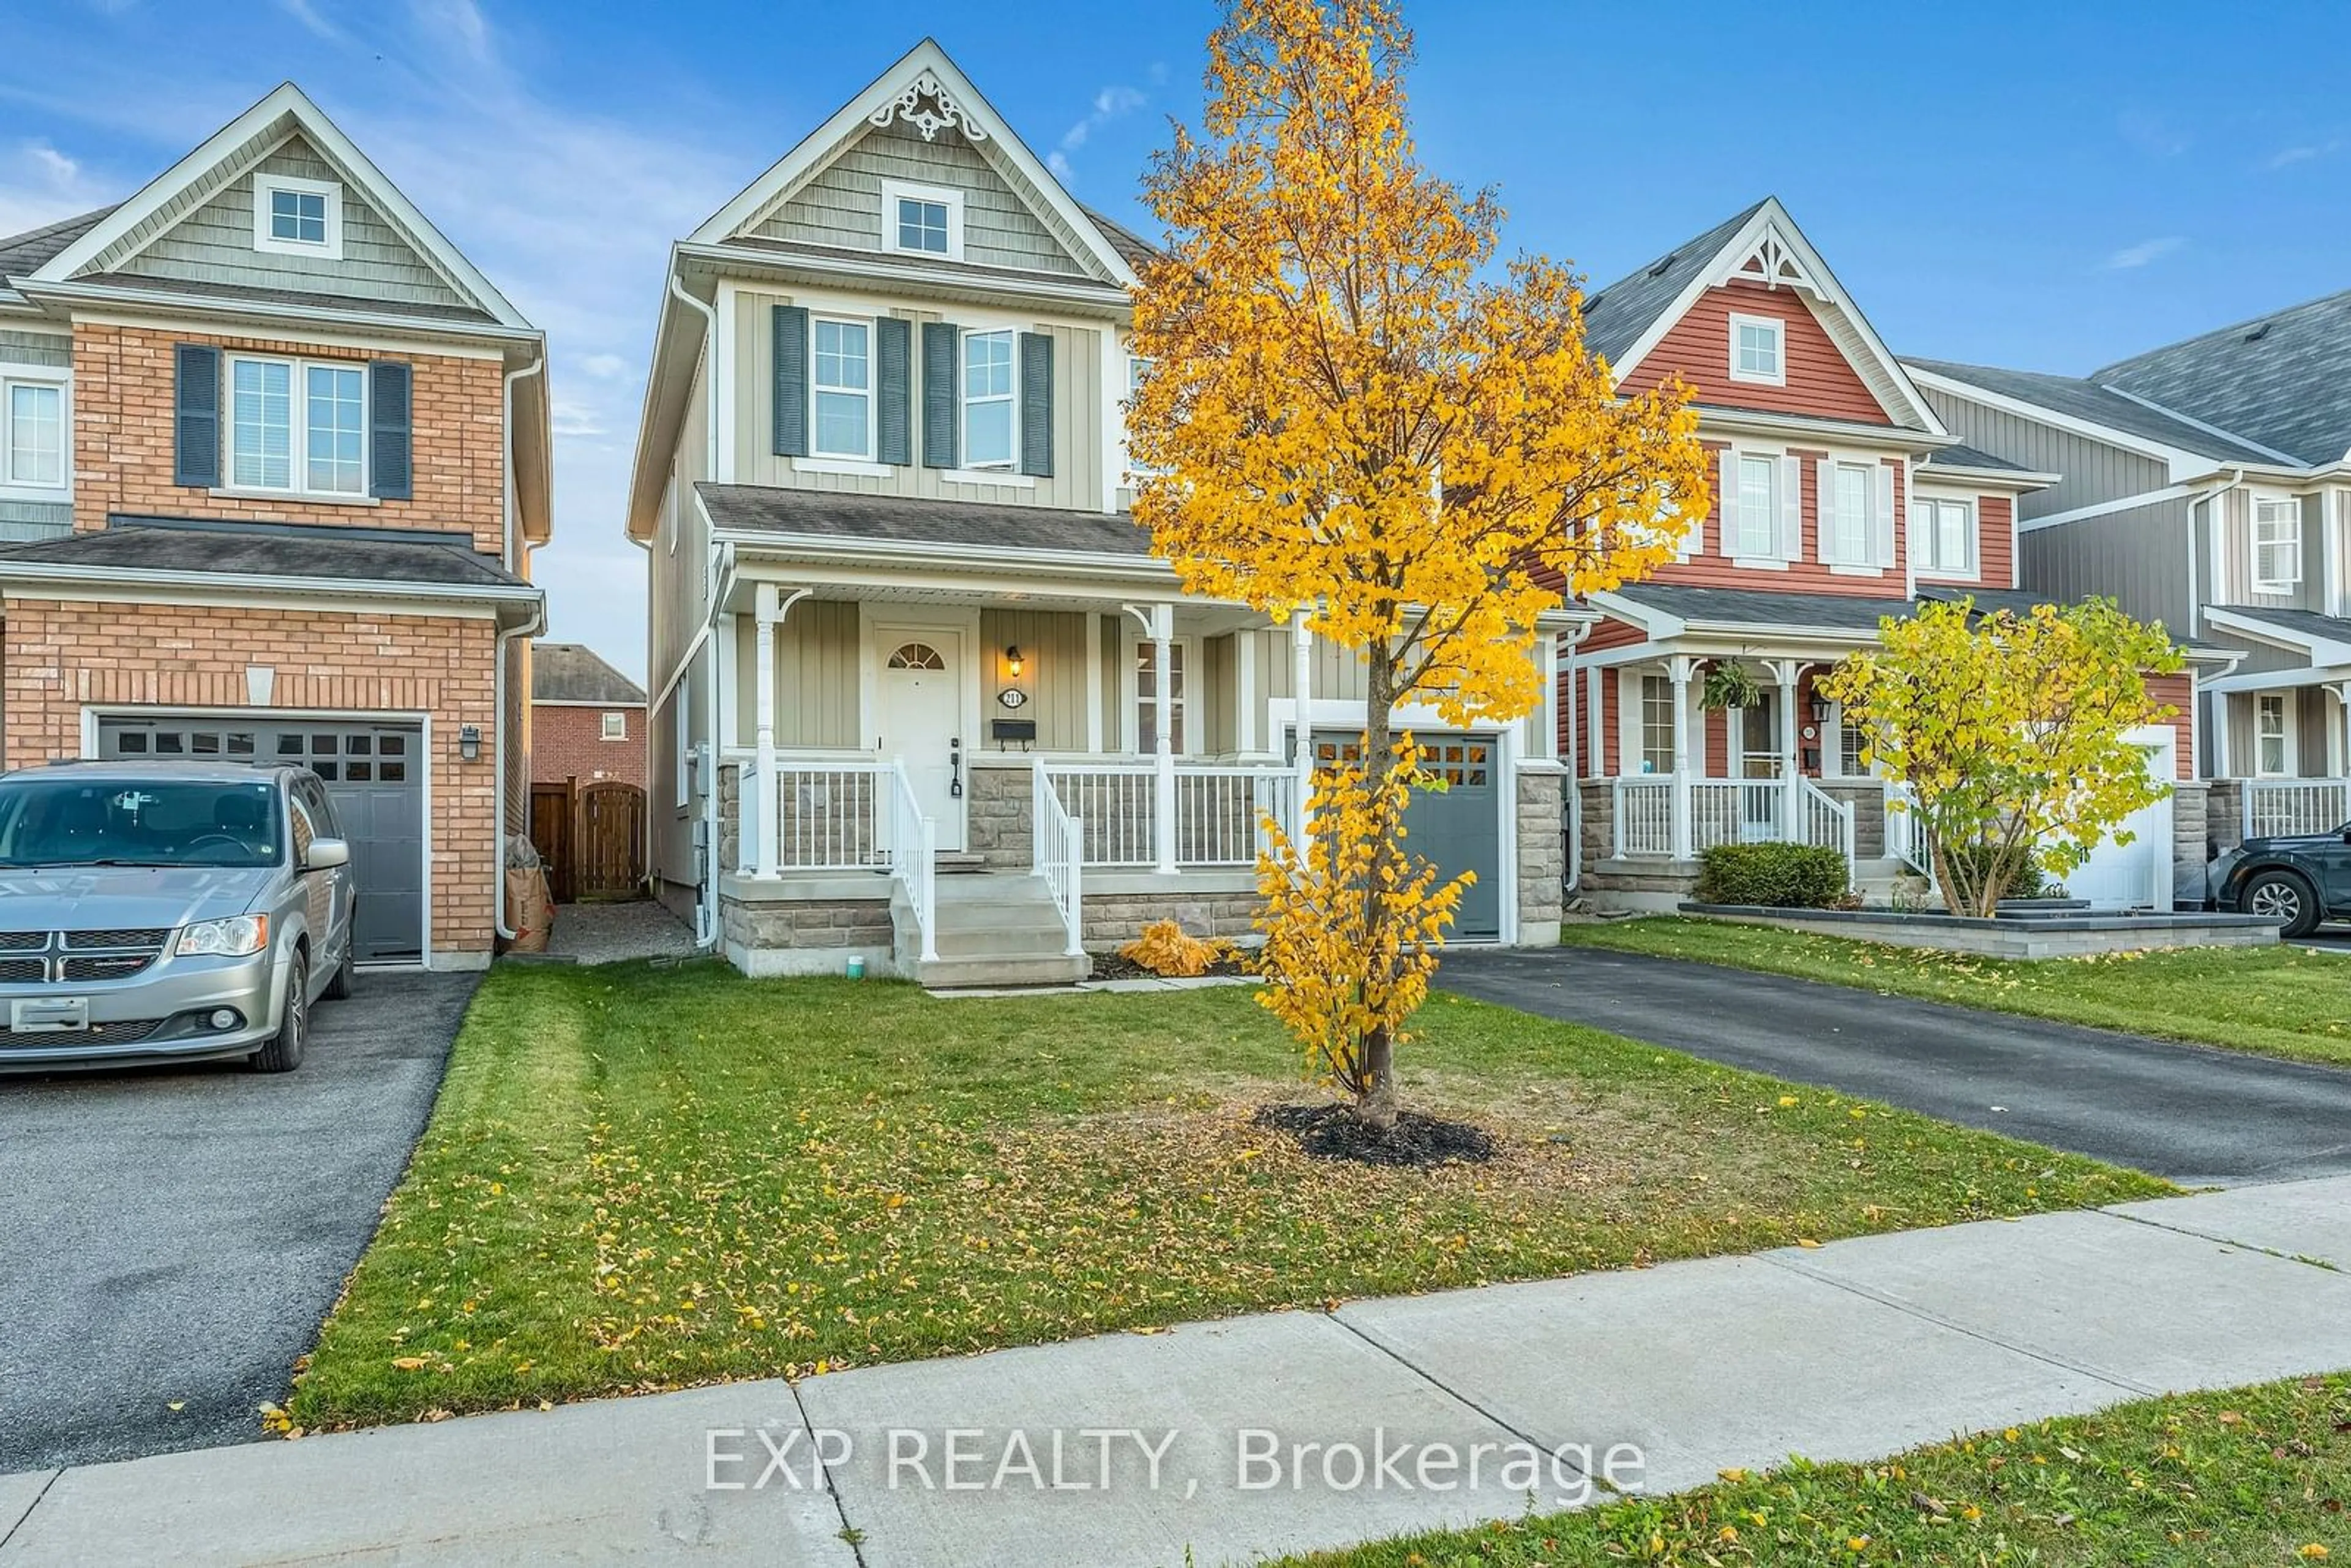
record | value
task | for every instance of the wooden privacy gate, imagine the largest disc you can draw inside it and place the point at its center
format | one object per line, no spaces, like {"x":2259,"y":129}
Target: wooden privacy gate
{"x":591,"y":836}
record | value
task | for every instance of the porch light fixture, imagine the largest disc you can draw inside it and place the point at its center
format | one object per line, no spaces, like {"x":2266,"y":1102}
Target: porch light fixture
{"x":1012,"y":661}
{"x":469,"y":742}
{"x":1819,"y":706}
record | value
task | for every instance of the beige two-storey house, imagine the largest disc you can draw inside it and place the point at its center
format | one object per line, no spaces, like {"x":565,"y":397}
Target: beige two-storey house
{"x":921,"y":694}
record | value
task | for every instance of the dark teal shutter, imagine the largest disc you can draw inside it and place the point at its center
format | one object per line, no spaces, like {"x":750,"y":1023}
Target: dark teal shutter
{"x":195,"y":416}
{"x":893,"y":393}
{"x":1037,"y":404}
{"x":391,"y":475}
{"x":792,"y":379}
{"x":940,"y":350}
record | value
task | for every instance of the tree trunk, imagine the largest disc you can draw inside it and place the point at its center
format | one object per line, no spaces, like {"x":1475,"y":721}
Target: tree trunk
{"x":1376,"y":1097}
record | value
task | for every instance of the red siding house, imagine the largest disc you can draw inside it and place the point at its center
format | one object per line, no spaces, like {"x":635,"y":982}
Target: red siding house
{"x":1841,"y":498}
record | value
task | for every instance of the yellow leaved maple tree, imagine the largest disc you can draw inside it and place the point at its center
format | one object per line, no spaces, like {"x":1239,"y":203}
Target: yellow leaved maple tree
{"x":1349,"y":415}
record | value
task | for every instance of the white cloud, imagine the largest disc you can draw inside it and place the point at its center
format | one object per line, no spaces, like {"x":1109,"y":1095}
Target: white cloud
{"x":2144,"y":252}
{"x":2289,"y":156}
{"x":458,"y":24}
{"x":39,"y":185}
{"x":1110,"y":103}
{"x":2151,"y":133}
{"x":604,"y":366}
{"x":311,"y":18}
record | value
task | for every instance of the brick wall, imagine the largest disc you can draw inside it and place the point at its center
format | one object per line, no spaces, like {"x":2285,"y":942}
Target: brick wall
{"x":60,"y":656}
{"x":569,"y":743}
{"x":122,"y":402}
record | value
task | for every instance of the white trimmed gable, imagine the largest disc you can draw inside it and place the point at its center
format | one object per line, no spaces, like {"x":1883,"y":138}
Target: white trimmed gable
{"x":1771,"y":251}
{"x":195,"y":224}
{"x":922,"y":123}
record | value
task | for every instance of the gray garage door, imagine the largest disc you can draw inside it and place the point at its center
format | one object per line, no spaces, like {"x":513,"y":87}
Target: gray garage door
{"x":1458,"y":827}
{"x":374,"y":775}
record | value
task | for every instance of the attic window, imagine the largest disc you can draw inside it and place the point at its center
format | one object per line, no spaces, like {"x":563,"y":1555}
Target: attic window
{"x":297,"y":218}
{"x":1756,"y":350}
{"x":921,"y":220}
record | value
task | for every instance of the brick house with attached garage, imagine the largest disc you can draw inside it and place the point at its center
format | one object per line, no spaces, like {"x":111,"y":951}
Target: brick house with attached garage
{"x":586,"y":719}
{"x":920,"y":692}
{"x":2208,"y":484}
{"x":272,"y":454}
{"x":1842,"y":498}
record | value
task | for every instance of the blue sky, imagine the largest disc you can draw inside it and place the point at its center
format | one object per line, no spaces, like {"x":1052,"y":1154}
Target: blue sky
{"x":2044,"y":186}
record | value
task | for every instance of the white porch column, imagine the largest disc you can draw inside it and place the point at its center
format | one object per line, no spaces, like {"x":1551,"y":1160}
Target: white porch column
{"x":2338,"y":750}
{"x":1301,"y":723}
{"x":764,"y":720}
{"x":2218,"y":727}
{"x":1786,"y":672}
{"x":1679,"y":669}
{"x":1248,"y":702}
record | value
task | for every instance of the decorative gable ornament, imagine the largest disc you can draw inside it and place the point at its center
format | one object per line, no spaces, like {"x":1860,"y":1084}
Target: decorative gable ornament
{"x":944,"y":111}
{"x":1772,"y":262}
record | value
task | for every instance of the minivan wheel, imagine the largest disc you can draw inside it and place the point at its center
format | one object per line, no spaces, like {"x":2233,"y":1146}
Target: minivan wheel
{"x":283,"y":1053}
{"x":340,"y":988}
{"x":2281,"y":896}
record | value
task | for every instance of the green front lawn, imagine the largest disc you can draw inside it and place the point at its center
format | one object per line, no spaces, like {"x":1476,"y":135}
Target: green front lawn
{"x":2258,"y":1476}
{"x":2279,"y":1001}
{"x":639,"y":1178}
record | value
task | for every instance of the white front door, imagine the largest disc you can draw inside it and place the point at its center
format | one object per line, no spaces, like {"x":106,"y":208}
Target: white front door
{"x":922,"y":719}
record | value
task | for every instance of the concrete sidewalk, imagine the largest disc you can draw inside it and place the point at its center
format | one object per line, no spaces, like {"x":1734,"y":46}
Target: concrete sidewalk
{"x":1280,"y":1433}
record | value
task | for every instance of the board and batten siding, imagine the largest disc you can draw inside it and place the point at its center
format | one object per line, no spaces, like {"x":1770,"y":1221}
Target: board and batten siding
{"x":1079,"y":448}
{"x":2232,"y":562}
{"x":1820,"y":380}
{"x":841,"y":205}
{"x":817,"y":651}
{"x":213,"y":244}
{"x":2091,"y":471}
{"x":1053,"y":646}
{"x":2139,"y":558}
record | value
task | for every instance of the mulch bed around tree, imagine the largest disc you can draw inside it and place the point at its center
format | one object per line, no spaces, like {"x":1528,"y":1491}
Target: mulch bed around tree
{"x":1118,"y":966}
{"x":1333,"y":1132}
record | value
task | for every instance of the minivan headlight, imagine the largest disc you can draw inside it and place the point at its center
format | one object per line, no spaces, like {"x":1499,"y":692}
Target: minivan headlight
{"x":230,"y":938}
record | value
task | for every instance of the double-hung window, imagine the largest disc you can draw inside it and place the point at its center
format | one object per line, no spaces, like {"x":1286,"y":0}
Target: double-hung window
{"x":34,"y":445}
{"x":297,"y":427}
{"x":1852,"y":505}
{"x":844,"y":389}
{"x":1757,"y":350}
{"x":1943,"y":536}
{"x":987,"y":403}
{"x":1757,"y":533}
{"x":2277,"y":544}
{"x":2273,"y":735}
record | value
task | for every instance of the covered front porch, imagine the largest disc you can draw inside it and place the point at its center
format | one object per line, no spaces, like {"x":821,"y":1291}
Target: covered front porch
{"x":979,"y":778}
{"x":2279,"y":719}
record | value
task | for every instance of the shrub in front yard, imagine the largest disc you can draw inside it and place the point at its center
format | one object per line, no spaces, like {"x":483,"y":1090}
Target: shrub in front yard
{"x":1782,"y":876}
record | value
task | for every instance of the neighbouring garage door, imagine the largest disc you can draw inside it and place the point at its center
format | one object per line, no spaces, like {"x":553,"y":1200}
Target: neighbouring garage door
{"x":2136,"y":875}
{"x":374,"y":774}
{"x":1458,"y":827}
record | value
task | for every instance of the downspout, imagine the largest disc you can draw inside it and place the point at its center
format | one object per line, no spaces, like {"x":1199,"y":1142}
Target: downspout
{"x":531,"y":628}
{"x":706,"y":900}
{"x":1574,"y":792}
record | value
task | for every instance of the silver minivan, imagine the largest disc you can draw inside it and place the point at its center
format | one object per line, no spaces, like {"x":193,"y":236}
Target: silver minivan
{"x":168,"y":911}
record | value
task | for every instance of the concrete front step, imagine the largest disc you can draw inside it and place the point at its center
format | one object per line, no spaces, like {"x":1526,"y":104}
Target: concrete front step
{"x":945,"y":974}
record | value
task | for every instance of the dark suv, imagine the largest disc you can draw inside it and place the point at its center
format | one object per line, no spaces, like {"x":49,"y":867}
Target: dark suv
{"x":2297,"y":881}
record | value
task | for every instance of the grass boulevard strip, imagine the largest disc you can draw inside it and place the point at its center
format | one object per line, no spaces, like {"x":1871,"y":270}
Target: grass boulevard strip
{"x":641,"y":1178}
{"x":2284,"y":1001}
{"x":2254,"y":1476}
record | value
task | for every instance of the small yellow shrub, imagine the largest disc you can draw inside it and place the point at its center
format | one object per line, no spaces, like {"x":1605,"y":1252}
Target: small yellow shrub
{"x":1166,"y":950}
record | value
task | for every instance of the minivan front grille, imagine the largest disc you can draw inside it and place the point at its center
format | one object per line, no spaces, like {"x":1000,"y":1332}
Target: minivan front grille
{"x":124,"y":1031}
{"x":23,"y":971}
{"x":110,"y":966}
{"x":119,"y":937}
{"x":20,"y":941}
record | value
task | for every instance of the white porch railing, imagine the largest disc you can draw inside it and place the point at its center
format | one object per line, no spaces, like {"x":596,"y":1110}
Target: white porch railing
{"x":1674,"y":817}
{"x":1060,"y":854}
{"x":2292,"y":807}
{"x":1905,"y":834}
{"x":829,"y":816}
{"x":1217,"y":811}
{"x":914,"y":857}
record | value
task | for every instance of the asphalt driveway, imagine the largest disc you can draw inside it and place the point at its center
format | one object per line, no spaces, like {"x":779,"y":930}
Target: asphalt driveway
{"x":174,"y":1235}
{"x":2193,"y":1114}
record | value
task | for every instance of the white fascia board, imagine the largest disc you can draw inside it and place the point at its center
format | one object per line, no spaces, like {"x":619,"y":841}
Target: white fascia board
{"x":829,"y":547}
{"x":1093,"y":299}
{"x":1952,"y":476}
{"x":1653,"y":623}
{"x":2321,"y":650}
{"x":2280,"y":680}
{"x":582,"y":702}
{"x":89,"y":300}
{"x":289,"y":101}
{"x":2108,"y":507}
{"x":1714,"y":419}
{"x":851,"y":119}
